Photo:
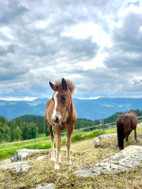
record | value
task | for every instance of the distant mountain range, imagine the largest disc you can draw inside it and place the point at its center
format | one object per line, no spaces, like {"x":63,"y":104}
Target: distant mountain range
{"x":88,"y":109}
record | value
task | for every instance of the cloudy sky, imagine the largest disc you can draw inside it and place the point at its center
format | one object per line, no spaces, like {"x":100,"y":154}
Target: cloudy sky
{"x":95,"y":44}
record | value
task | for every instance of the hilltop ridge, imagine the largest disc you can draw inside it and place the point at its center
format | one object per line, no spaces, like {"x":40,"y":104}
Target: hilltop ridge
{"x":93,"y":109}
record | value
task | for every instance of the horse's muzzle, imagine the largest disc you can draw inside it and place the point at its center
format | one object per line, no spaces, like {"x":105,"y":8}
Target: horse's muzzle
{"x":57,"y":120}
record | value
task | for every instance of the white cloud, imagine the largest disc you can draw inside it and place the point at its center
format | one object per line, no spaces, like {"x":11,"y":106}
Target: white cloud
{"x":86,"y":30}
{"x":41,"y":24}
{"x":95,"y":63}
{"x":7,"y":32}
{"x":19,"y":99}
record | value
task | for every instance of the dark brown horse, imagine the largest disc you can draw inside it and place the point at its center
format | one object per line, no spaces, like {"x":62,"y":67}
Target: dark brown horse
{"x":60,"y":113}
{"x":125,"y":124}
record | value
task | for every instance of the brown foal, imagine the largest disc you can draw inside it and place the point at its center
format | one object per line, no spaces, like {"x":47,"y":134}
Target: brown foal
{"x":60,"y":113}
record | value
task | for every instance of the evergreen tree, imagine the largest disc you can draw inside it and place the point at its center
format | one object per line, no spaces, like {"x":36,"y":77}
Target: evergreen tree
{"x":18,"y":133}
{"x":12,"y":125}
{"x":4,"y":130}
{"x":6,"y":134}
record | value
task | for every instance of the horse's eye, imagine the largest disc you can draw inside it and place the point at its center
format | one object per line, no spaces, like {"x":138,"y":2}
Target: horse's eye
{"x":63,"y":98}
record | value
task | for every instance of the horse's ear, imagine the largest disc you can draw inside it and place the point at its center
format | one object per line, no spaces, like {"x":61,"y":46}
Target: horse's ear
{"x":52,"y":86}
{"x":64,"y":84}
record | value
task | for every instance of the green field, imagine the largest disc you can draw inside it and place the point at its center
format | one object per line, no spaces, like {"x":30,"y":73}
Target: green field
{"x":8,"y":149}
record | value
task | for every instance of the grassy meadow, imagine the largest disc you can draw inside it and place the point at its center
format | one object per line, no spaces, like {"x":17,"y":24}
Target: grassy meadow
{"x":83,"y":154}
{"x":7,"y":150}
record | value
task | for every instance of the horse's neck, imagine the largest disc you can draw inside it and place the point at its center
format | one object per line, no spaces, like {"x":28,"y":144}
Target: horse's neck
{"x":72,"y":112}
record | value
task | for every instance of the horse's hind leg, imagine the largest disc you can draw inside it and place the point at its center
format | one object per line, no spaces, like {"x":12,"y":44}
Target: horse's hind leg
{"x":52,"y":142}
{"x":68,"y":147}
{"x":135,"y":134}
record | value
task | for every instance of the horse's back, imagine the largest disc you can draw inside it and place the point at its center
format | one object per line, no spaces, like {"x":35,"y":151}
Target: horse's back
{"x":134,"y":118}
{"x":125,"y":121}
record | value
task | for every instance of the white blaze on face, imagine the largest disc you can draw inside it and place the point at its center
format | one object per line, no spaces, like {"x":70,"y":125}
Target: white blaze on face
{"x":55,"y":113}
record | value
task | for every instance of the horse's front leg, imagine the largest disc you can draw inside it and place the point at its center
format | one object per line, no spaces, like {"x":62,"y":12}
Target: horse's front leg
{"x":68,"y":147}
{"x":127,"y":136}
{"x":58,"y":145}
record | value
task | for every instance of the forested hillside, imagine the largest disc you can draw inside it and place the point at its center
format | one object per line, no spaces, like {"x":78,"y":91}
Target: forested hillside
{"x":16,"y":130}
{"x":30,"y":126}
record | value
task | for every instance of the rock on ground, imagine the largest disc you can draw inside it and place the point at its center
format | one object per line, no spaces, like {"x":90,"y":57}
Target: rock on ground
{"x":17,"y":166}
{"x":41,"y":158}
{"x":22,"y":154}
{"x":123,"y":161}
{"x":97,"y":139}
{"x":46,"y":186}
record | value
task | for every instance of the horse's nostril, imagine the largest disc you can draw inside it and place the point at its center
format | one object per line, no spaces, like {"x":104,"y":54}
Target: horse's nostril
{"x":57,"y":120}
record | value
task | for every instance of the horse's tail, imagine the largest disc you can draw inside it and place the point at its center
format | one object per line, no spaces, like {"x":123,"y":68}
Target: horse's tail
{"x":120,"y":134}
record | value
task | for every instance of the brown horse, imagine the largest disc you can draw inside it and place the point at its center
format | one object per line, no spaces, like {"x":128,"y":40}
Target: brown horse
{"x":60,"y":113}
{"x":125,"y":124}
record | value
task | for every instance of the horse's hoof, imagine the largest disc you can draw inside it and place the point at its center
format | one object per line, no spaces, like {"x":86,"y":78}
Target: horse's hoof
{"x":57,"y":166}
{"x":60,"y":161}
{"x":52,"y":159}
{"x":69,"y":162}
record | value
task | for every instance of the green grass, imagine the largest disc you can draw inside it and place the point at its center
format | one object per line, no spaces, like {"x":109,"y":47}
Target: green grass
{"x":41,"y":135}
{"x":7,"y":150}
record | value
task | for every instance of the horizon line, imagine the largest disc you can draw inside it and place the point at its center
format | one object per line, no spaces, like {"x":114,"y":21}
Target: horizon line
{"x":80,"y":98}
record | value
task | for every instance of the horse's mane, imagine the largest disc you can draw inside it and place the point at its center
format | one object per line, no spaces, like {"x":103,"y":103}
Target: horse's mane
{"x":58,"y":85}
{"x":131,"y":111}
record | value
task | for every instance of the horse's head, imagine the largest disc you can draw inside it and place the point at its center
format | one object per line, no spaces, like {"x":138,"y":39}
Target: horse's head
{"x":62,"y":99}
